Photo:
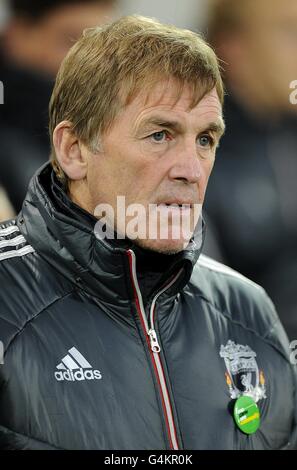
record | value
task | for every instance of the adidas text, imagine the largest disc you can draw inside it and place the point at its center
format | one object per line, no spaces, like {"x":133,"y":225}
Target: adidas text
{"x":80,"y":374}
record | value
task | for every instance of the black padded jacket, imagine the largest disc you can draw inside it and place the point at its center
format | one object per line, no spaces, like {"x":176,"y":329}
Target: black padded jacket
{"x":95,"y":358}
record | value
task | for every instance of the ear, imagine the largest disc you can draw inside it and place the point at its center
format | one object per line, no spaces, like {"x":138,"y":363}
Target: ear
{"x":73,"y":160}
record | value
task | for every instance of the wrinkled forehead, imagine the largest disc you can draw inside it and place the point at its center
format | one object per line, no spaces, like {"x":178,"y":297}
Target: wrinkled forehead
{"x":170,"y":92}
{"x":167,"y":101}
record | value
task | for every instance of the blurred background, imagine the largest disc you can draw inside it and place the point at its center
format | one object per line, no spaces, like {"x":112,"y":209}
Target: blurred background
{"x":251,"y":203}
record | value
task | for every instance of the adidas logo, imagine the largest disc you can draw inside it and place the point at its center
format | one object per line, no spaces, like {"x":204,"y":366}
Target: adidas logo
{"x":74,"y":367}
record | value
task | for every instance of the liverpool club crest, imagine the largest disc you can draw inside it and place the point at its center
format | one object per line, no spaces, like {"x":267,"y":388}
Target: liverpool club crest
{"x":243,"y":376}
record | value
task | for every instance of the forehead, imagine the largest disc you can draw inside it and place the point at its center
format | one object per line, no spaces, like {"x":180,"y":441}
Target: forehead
{"x":169,"y":96}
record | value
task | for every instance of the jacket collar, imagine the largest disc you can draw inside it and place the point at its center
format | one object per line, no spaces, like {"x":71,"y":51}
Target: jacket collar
{"x":63,"y":234}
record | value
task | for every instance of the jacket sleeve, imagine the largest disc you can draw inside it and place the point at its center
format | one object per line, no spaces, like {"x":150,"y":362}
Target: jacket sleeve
{"x":278,"y":337}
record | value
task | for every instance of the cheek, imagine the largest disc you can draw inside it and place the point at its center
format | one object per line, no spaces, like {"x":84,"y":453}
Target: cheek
{"x":109,"y":178}
{"x":207,"y":167}
{"x":145,"y":184}
{"x":102,"y":181}
{"x":206,"y":171}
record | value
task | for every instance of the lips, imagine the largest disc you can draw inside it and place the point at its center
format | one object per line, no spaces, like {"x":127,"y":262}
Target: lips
{"x":175,"y":204}
{"x":174,"y":207}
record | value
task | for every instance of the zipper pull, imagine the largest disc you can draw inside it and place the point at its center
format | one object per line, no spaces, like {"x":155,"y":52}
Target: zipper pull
{"x":154,"y":341}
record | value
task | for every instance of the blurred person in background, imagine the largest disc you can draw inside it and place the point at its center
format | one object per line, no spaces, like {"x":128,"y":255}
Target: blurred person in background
{"x":252,"y":198}
{"x":36,"y":38}
{"x":6,"y":209}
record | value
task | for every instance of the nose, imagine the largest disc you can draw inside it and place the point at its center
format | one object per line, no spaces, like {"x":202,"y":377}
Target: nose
{"x":186,"y":166}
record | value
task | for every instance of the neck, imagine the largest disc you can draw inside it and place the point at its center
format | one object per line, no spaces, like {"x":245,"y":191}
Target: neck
{"x":79,"y":194}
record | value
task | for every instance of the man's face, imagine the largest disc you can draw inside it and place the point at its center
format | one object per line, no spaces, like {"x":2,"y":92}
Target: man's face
{"x":158,"y":153}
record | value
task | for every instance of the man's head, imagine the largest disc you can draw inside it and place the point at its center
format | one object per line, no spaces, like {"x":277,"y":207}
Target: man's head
{"x":137,"y":112}
{"x":258,"y":41}
{"x":40,"y":33}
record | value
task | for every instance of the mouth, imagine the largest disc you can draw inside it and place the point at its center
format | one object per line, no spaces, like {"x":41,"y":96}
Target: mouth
{"x":176,"y":205}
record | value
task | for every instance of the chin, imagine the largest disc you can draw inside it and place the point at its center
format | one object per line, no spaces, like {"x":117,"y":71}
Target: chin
{"x":166,"y":247}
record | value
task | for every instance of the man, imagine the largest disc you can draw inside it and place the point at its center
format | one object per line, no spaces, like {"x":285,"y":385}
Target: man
{"x":252,"y":199}
{"x":54,"y":23}
{"x":6,"y":210}
{"x":130,"y":342}
{"x":34,"y":41}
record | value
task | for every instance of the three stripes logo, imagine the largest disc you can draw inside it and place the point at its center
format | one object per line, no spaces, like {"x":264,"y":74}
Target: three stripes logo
{"x":12,"y":243}
{"x":74,"y":367}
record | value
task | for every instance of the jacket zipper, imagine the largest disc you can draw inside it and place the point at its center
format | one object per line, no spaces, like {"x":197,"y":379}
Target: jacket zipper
{"x":154,"y":347}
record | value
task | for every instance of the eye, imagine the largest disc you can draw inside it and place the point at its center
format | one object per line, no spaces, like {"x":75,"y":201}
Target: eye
{"x":159,"y":136}
{"x":206,"y":140}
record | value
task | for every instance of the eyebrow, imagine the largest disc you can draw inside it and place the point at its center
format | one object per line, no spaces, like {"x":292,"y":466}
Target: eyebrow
{"x":216,"y":127}
{"x":161,"y":122}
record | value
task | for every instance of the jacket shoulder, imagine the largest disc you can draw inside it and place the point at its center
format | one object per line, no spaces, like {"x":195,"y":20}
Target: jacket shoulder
{"x":238,"y":298}
{"x":27,"y":282}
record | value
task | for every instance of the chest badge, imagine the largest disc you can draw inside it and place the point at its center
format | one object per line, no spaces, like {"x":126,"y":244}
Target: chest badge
{"x":243,"y":376}
{"x":246,"y":415}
